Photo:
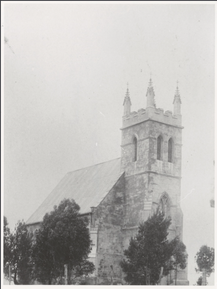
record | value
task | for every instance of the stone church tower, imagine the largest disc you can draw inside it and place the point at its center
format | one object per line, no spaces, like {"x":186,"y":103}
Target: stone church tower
{"x":151,"y":159}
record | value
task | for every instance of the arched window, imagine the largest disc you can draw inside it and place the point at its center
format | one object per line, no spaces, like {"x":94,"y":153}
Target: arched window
{"x":159,"y":147}
{"x":164,"y":205}
{"x":170,"y":150}
{"x":135,"y":149}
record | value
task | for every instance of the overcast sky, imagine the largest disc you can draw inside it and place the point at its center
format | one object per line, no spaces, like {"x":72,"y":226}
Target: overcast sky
{"x":66,"y":73}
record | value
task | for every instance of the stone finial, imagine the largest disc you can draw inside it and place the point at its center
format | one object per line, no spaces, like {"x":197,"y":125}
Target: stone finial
{"x":177,"y":102}
{"x":150,"y":95}
{"x":127,"y":102}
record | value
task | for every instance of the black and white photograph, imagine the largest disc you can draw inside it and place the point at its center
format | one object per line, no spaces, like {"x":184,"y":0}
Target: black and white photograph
{"x":108,"y":143}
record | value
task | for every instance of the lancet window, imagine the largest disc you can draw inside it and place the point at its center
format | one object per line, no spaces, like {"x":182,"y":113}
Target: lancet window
{"x":159,"y":147}
{"x":170,"y":150}
{"x":135,"y":148}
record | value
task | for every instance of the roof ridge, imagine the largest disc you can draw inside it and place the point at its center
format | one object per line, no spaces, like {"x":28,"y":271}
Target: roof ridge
{"x":92,"y":165}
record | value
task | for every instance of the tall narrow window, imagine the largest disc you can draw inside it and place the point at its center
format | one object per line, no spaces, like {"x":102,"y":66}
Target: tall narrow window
{"x":159,"y":147}
{"x":135,"y":149}
{"x":170,"y":150}
{"x":164,"y":205}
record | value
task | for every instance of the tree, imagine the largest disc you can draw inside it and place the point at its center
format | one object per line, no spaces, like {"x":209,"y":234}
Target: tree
{"x":7,"y":247}
{"x":178,"y":260}
{"x":63,"y":238}
{"x":205,"y":261}
{"x":149,"y":253}
{"x":199,"y":281}
{"x":83,"y":269}
{"x":17,"y":253}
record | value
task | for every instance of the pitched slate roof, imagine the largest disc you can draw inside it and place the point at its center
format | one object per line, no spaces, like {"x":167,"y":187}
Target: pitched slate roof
{"x":87,"y":186}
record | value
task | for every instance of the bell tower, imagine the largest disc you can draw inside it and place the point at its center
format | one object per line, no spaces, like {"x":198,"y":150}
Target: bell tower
{"x":151,"y":158}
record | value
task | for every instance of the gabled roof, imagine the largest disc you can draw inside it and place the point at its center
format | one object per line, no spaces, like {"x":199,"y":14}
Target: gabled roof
{"x":87,"y":186}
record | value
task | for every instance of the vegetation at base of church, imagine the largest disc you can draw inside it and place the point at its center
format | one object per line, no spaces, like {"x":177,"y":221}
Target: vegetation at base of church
{"x":178,"y":259}
{"x":63,"y":238}
{"x":205,"y":261}
{"x":7,"y":246}
{"x":151,"y":255}
{"x":17,"y":253}
{"x":199,"y":281}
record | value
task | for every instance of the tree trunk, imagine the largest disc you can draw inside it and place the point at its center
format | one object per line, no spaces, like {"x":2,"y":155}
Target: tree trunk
{"x":204,"y":277}
{"x":15,"y":278}
{"x":176,"y":275}
{"x":66,"y":274}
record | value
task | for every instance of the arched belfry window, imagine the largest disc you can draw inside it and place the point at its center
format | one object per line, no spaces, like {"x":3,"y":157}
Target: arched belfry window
{"x":159,"y":147}
{"x":135,"y":149}
{"x":170,"y":150}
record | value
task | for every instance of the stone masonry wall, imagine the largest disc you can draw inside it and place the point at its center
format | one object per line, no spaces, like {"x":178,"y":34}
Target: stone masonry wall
{"x":142,"y":133}
{"x":148,"y":178}
{"x":136,"y":193}
{"x":171,"y":185}
{"x":109,"y":217}
{"x":167,"y":132}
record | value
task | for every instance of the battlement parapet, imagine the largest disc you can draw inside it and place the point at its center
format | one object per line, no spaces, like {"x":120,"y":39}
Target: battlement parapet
{"x":168,"y":112}
{"x":156,"y":114}
{"x":141,"y":111}
{"x":133,"y":114}
{"x":159,"y":111}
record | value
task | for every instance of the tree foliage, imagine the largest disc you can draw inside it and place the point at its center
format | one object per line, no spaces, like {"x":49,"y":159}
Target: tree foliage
{"x":7,"y":246}
{"x":205,"y":259}
{"x":178,"y":259}
{"x":150,"y":250}
{"x":199,"y":281}
{"x":63,"y":238}
{"x":17,"y":253}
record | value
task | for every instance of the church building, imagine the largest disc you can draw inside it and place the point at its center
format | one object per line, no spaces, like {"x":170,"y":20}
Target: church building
{"x":119,"y":194}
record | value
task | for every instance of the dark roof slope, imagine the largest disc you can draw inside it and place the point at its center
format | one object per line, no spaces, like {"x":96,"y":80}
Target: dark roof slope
{"x":87,"y":186}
